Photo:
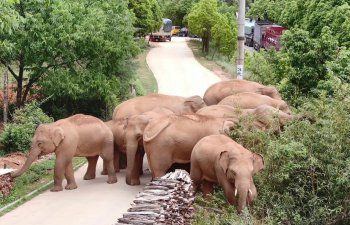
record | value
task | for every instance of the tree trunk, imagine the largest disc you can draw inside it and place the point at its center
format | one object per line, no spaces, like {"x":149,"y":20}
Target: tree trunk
{"x":20,"y":82}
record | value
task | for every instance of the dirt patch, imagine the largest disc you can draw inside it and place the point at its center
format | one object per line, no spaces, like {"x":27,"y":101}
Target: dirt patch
{"x":16,"y":160}
{"x":222,"y":74}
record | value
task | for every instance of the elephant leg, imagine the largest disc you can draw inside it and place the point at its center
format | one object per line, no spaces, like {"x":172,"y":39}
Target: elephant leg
{"x":59,"y":172}
{"x":159,"y":163}
{"x":71,"y":184}
{"x":207,"y":188}
{"x":122,"y":162}
{"x":91,"y":170}
{"x":131,"y":177}
{"x":196,"y":175}
{"x":230,"y":192}
{"x":135,"y":175}
{"x":107,"y":156}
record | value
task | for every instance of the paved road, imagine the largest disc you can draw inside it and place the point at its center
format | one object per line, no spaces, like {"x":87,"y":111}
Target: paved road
{"x":177,"y":71}
{"x":96,"y":202}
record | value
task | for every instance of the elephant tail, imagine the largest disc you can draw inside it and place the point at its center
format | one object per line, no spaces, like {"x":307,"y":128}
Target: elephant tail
{"x":154,"y":128}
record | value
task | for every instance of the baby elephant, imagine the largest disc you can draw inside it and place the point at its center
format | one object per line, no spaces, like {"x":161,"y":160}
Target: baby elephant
{"x":78,"y":135}
{"x":219,"y":159}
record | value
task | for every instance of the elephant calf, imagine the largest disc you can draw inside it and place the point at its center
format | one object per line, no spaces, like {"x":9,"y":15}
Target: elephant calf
{"x":219,"y":159}
{"x":78,"y":135}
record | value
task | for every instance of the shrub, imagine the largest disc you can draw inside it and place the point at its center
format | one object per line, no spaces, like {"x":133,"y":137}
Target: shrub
{"x":306,"y":178}
{"x":17,"y":134}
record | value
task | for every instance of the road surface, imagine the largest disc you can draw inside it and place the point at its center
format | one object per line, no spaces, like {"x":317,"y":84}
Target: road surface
{"x":95,"y":202}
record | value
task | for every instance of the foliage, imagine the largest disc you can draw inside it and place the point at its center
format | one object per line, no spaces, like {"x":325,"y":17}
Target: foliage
{"x":309,"y":15}
{"x":306,"y":166}
{"x":17,"y":135}
{"x":202,"y":18}
{"x":214,"y":211}
{"x":148,"y":15}
{"x":69,"y":35}
{"x":177,"y":10}
{"x":223,"y":36}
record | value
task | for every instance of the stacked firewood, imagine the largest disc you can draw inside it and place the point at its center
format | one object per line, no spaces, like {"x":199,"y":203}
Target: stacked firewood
{"x":6,"y":185}
{"x":165,"y":200}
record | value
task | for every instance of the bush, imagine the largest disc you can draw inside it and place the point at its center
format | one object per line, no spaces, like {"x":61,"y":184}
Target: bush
{"x":306,"y":178}
{"x":18,"y":134}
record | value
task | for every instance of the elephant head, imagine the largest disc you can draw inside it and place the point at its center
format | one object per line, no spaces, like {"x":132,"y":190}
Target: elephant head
{"x":46,"y":139}
{"x":194,"y":103}
{"x":239,"y":170}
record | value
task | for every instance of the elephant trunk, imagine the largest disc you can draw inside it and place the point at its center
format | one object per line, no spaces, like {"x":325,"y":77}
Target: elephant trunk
{"x":131,"y":150}
{"x":243,"y":189}
{"x":33,"y":155}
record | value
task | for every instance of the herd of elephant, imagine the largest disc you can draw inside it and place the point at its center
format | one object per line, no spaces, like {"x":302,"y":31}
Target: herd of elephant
{"x":169,"y":129}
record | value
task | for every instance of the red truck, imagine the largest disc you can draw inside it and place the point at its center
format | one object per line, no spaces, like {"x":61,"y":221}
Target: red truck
{"x":267,"y":35}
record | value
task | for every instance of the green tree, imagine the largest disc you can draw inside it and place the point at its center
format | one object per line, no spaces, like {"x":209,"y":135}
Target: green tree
{"x":202,"y":18}
{"x":73,"y":37}
{"x":148,"y":15}
{"x":177,"y":11}
{"x":223,"y":36}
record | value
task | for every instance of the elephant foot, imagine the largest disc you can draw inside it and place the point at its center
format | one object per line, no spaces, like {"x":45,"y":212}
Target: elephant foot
{"x":89,"y":176}
{"x":133,"y":182}
{"x":56,"y":188}
{"x":71,"y":186}
{"x":112,"y":180}
{"x":104,"y":172}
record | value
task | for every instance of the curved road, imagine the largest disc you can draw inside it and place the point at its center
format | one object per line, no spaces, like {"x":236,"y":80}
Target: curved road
{"x":95,"y":202}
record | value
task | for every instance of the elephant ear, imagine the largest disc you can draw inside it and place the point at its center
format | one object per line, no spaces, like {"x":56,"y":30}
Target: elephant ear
{"x":229,"y":124}
{"x":258,"y":163}
{"x":57,"y":135}
{"x":194,"y":103}
{"x":224,"y":161}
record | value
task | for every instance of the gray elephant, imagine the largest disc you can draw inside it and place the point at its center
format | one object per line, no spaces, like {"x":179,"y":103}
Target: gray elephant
{"x":141,"y":104}
{"x":218,"y":91}
{"x":170,"y":139}
{"x":78,"y":135}
{"x":217,"y":159}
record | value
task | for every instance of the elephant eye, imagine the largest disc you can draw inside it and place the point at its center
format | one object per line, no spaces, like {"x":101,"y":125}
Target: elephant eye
{"x":39,"y":144}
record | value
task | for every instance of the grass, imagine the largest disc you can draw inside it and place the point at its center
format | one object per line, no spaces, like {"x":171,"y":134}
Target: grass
{"x":145,"y":76}
{"x":38,"y":175}
{"x":216,"y":63}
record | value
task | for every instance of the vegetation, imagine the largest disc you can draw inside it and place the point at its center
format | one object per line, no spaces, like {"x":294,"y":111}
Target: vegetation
{"x":18,"y":134}
{"x":177,"y":11}
{"x":75,"y":41}
{"x":148,"y":15}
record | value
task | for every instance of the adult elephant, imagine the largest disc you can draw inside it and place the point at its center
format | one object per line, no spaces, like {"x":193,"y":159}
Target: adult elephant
{"x":141,"y":104}
{"x":250,"y":100}
{"x":218,"y":91}
{"x":219,"y":159}
{"x":170,"y":139}
{"x":134,"y":142}
{"x":78,"y":135}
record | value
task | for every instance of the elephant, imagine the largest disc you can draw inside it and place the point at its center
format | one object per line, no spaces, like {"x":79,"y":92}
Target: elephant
{"x":250,"y":100}
{"x":217,"y":159}
{"x":218,"y":91}
{"x":263,"y":117}
{"x":170,"y":139}
{"x":134,"y":141}
{"x":78,"y":135}
{"x":141,"y":104}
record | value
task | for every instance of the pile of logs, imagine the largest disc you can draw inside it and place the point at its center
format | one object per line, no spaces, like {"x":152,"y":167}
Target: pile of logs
{"x":165,"y":200}
{"x":6,"y":184}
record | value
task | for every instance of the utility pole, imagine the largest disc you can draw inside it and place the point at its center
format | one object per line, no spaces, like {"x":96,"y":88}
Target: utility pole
{"x":240,"y":58}
{"x":6,"y":96}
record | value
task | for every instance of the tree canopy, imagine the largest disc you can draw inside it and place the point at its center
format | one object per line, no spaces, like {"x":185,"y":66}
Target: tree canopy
{"x":55,"y":37}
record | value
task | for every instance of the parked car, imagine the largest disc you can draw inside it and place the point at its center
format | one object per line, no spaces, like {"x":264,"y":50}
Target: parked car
{"x":183,"y":32}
